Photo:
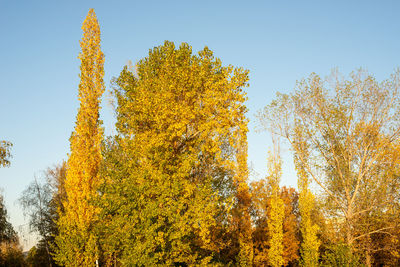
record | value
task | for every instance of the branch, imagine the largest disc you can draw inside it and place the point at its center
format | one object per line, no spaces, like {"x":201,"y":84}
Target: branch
{"x":373,"y":232}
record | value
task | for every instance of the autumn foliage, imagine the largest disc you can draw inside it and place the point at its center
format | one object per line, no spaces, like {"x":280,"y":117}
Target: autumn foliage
{"x":172,"y":188}
{"x":261,"y":210}
{"x":77,"y":241}
{"x":180,"y":151}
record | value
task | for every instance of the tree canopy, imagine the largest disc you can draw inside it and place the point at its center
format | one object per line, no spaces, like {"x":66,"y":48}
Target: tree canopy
{"x":181,"y":128}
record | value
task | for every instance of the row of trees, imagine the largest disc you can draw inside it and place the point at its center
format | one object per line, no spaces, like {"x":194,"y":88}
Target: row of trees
{"x":171,"y":188}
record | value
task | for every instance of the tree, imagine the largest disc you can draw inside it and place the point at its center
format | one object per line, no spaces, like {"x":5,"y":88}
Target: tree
{"x":339,"y":255}
{"x":5,"y":153}
{"x":7,"y":232}
{"x":41,"y":201}
{"x":243,"y":196}
{"x":38,"y":255}
{"x":291,"y":241}
{"x":310,"y":244}
{"x":11,"y":255}
{"x":178,"y":162}
{"x":261,"y":207}
{"x":349,"y":135}
{"x":260,"y":193}
{"x":10,"y":250}
{"x":77,"y":241}
{"x":35,"y":200}
{"x":276,"y":211}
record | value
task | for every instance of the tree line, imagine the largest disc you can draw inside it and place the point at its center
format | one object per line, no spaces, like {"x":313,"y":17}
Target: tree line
{"x":171,"y":187}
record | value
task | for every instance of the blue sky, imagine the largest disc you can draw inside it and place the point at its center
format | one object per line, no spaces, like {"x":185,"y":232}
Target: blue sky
{"x":279,"y":42}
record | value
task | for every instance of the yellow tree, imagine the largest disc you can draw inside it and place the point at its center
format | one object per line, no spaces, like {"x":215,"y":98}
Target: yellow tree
{"x":77,"y":241}
{"x":242,"y":212}
{"x":261,"y":206}
{"x":276,"y":211}
{"x":291,"y":241}
{"x":171,"y":173}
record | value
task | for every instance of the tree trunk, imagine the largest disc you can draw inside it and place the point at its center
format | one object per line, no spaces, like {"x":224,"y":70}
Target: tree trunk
{"x":48,"y":254}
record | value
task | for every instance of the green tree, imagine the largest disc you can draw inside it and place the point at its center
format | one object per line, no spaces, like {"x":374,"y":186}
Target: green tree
{"x":10,"y":249}
{"x":35,"y":201}
{"x":41,"y":201}
{"x":181,"y":144}
{"x":38,"y":255}
{"x":7,"y":232}
{"x":77,"y":241}
{"x":339,"y":255}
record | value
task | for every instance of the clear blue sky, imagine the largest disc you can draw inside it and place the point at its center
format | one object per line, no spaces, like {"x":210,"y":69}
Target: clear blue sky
{"x":278,"y":41}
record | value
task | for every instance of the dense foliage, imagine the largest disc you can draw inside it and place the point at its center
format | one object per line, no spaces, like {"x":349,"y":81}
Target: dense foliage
{"x":174,"y":171}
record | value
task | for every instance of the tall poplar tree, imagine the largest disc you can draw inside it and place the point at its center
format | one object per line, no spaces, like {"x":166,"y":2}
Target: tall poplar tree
{"x":77,"y":242}
{"x":276,"y":212}
{"x":244,"y":227}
